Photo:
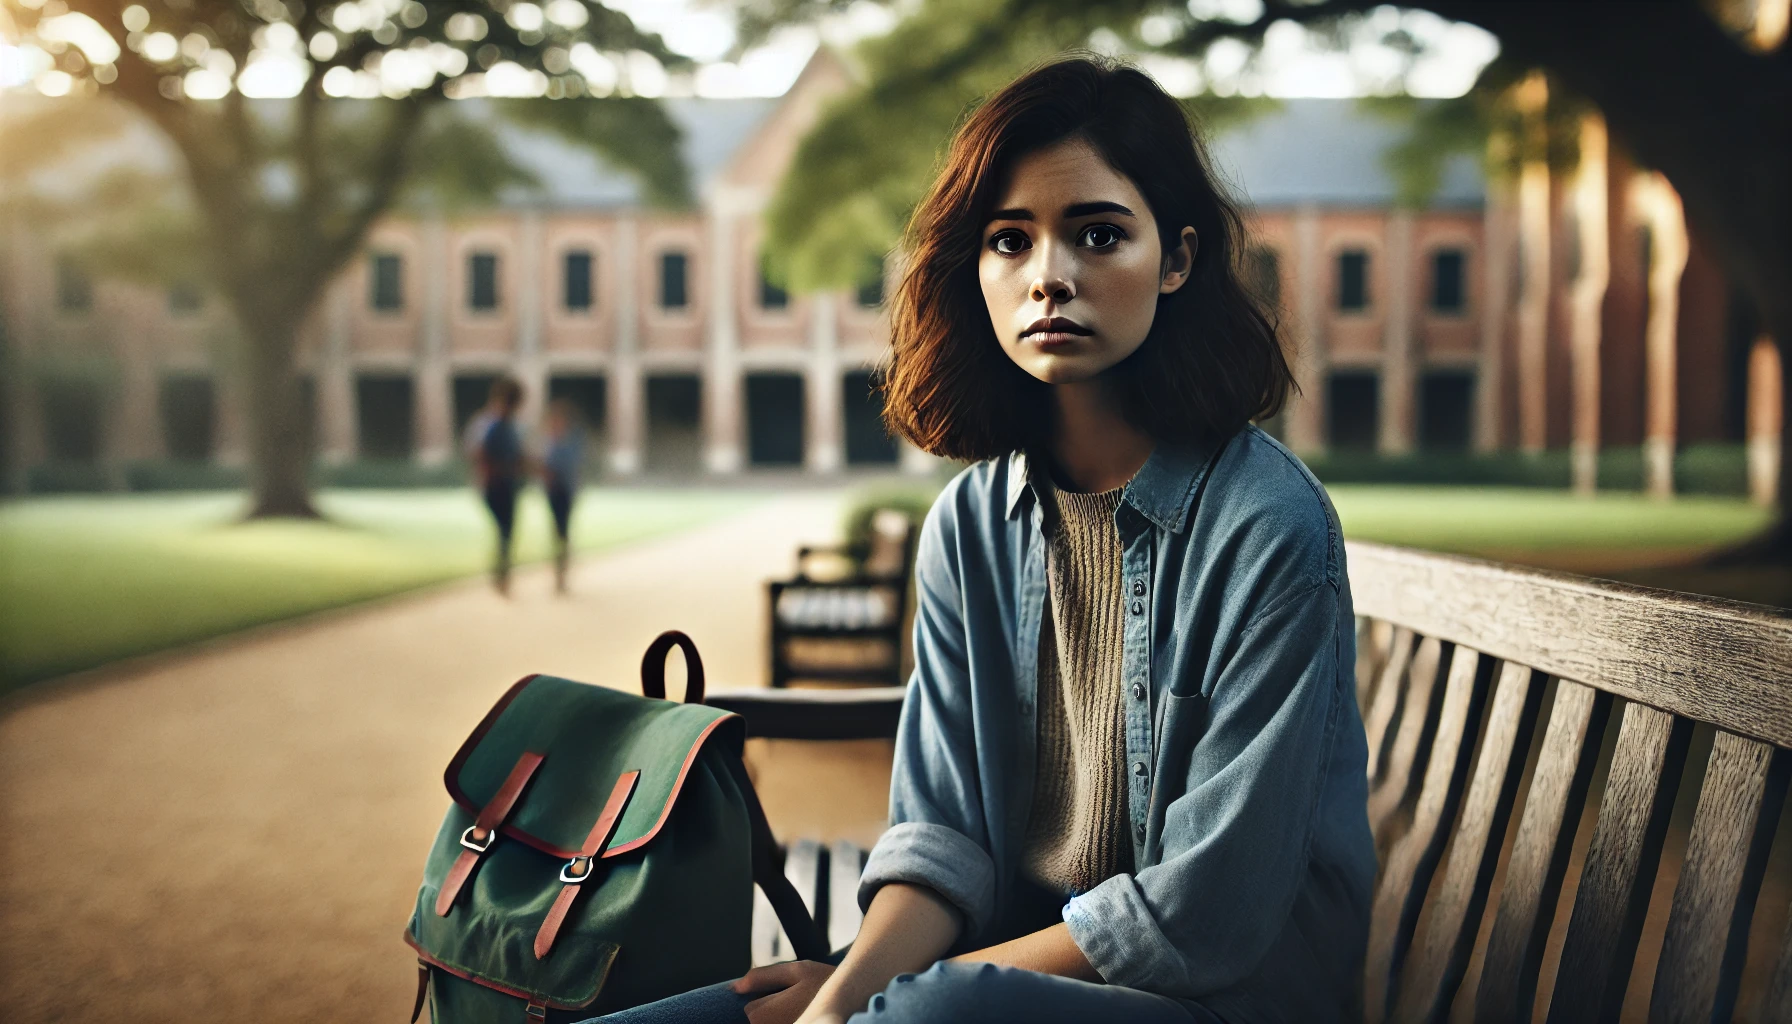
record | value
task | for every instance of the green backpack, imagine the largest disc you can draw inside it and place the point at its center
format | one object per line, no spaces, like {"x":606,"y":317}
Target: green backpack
{"x":600,"y":853}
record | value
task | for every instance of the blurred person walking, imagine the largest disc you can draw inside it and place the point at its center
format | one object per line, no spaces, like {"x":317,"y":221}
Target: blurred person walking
{"x":563,"y":451}
{"x":495,"y":447}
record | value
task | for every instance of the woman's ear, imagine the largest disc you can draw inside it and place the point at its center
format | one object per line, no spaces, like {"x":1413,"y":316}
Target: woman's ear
{"x":1179,"y":262}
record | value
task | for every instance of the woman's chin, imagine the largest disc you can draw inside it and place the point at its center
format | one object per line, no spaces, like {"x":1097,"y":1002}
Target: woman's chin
{"x":1051,"y":368}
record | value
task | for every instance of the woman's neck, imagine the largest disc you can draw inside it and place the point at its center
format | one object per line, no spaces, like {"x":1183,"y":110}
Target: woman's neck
{"x":1095,"y":447}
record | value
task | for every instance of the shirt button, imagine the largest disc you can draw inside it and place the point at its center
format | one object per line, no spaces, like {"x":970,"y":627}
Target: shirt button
{"x":1139,"y":769}
{"x":1138,"y":691}
{"x":1138,"y":588}
{"x":1139,"y":830}
{"x":1138,"y":607}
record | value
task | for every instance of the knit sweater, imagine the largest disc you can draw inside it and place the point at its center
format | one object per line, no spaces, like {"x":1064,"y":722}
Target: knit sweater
{"x":1076,"y":833}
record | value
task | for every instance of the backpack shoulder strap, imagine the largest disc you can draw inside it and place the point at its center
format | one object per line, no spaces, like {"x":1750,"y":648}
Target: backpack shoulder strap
{"x":806,"y":939}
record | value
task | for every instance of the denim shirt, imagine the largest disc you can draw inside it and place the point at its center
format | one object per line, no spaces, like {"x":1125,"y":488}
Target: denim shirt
{"x":1245,"y":753}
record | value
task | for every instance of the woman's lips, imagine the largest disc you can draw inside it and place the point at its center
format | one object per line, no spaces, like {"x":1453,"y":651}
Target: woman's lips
{"x":1054,"y":332}
{"x":1053,"y":339}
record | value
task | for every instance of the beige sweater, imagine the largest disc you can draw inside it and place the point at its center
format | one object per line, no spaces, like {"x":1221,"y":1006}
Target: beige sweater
{"x":1076,"y":833}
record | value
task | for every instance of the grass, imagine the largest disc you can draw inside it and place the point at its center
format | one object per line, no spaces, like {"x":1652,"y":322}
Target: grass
{"x":88,"y":580}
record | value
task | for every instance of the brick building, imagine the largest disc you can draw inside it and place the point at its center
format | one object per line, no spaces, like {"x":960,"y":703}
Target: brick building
{"x":1461,"y":326}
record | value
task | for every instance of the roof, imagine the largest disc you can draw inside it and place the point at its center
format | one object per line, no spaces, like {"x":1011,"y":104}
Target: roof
{"x":1328,"y":153}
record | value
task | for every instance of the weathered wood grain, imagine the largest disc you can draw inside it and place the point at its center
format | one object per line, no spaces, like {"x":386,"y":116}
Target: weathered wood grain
{"x":1404,"y":764}
{"x":1722,"y":662}
{"x":1440,"y":950}
{"x":1540,"y":852}
{"x":1374,"y":643}
{"x":1778,"y":1007}
{"x":846,"y":863}
{"x":1714,"y":899}
{"x":1620,"y":868}
{"x":1390,"y":690}
{"x":1407,"y":873}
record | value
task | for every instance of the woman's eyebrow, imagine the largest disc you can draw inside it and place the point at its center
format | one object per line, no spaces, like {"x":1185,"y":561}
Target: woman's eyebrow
{"x":1012,"y":213}
{"x":1087,"y":209}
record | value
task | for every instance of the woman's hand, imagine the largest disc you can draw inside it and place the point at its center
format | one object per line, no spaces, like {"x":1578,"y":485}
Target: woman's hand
{"x":785,"y":991}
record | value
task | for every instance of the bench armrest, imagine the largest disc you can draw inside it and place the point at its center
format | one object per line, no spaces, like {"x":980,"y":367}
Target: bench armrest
{"x":856,"y":714}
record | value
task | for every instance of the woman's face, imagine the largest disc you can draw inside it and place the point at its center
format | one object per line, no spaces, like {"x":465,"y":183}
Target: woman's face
{"x":1071,"y":265}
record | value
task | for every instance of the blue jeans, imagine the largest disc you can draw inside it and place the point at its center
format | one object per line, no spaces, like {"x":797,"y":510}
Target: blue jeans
{"x":949,"y":993}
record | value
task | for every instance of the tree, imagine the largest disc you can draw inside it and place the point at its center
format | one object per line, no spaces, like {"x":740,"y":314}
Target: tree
{"x":1676,"y":81}
{"x":275,"y":196}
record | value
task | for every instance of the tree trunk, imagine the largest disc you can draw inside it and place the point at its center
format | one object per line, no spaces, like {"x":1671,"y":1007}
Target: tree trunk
{"x":279,"y":444}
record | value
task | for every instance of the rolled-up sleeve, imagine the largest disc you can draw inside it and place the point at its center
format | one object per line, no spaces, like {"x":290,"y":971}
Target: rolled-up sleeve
{"x":1236,"y":843}
{"x":937,"y":837}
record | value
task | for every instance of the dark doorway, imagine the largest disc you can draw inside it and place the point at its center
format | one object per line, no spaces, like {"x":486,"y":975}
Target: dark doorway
{"x":775,"y":419}
{"x":189,"y":408}
{"x":1446,"y":410}
{"x":73,"y":418}
{"x":674,"y":423}
{"x":867,"y":442}
{"x":1353,"y":280}
{"x":471,"y":390}
{"x":1353,"y":410}
{"x":385,"y":408}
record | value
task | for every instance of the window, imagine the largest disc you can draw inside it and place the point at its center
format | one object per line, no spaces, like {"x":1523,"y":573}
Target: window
{"x":74,"y":290}
{"x":1263,"y":270}
{"x":386,"y":283}
{"x":577,"y":292}
{"x":672,"y":285}
{"x":184,"y":297}
{"x":189,"y":416}
{"x":1446,"y":280}
{"x":770,"y":295}
{"x":871,"y":293}
{"x":482,"y":281}
{"x":1353,"y":280}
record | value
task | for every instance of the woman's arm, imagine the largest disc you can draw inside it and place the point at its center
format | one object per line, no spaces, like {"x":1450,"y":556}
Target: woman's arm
{"x":1047,"y":951}
{"x":906,"y":928}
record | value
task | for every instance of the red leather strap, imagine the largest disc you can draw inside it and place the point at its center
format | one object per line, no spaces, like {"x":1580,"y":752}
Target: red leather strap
{"x":594,"y":842}
{"x":490,"y":817}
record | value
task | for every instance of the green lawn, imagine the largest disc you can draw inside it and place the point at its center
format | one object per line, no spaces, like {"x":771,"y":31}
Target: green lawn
{"x":88,"y":580}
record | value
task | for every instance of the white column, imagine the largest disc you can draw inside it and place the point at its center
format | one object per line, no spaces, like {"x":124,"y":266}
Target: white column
{"x":434,"y":401}
{"x":1766,"y":406}
{"x":1668,"y":247}
{"x":531,"y":284}
{"x":1306,"y":412}
{"x":824,"y":450}
{"x":1496,"y":296}
{"x":722,"y":413}
{"x":627,"y":390}
{"x":1587,"y":300}
{"x":337,"y":429}
{"x":1397,"y":370}
{"x":1533,"y":304}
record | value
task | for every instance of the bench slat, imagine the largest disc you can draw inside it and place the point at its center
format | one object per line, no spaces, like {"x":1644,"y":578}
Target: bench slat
{"x":1722,"y":662}
{"x":1388,"y":694}
{"x":1620,"y":867}
{"x":1440,"y":951}
{"x":1714,"y":899}
{"x":767,"y":936}
{"x":846,"y":863}
{"x":1374,"y":644}
{"x":1540,"y":852}
{"x":1409,"y":865}
{"x":1404,"y":767}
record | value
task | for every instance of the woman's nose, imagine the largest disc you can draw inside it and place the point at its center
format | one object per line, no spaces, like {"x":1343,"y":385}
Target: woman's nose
{"x":1054,"y":287}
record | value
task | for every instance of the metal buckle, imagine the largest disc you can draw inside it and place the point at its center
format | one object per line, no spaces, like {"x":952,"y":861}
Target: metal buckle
{"x":572,"y":879}
{"x":467,"y":840}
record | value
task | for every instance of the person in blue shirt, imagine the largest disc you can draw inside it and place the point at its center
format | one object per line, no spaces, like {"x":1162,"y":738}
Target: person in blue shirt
{"x":496,"y":449}
{"x":1129,"y":781}
{"x":563,"y":453}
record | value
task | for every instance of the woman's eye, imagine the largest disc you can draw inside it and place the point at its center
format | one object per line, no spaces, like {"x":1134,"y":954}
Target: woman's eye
{"x":1009,"y":243}
{"x":1101,"y":236}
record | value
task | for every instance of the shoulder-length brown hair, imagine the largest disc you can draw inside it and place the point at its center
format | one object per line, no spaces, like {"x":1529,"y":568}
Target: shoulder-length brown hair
{"x":1211,"y":362}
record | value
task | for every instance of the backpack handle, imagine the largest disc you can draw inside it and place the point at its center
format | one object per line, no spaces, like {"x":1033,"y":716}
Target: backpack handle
{"x":653,"y":667}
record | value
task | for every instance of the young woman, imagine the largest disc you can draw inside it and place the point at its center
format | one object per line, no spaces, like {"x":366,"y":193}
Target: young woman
{"x":1129,"y":780}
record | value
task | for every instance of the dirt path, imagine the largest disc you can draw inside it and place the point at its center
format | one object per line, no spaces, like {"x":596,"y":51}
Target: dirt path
{"x":237,"y":834}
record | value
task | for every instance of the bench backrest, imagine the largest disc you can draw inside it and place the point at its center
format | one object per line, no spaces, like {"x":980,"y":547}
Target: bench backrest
{"x":1509,"y":710}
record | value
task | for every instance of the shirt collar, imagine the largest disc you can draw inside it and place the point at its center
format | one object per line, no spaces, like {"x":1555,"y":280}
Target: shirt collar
{"x":1162,"y":491}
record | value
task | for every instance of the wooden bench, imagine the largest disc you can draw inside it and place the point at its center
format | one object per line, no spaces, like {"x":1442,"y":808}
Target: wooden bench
{"x":846,"y":622}
{"x":1509,"y":711}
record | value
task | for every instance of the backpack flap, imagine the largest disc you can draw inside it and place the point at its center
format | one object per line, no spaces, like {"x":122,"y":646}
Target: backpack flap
{"x":559,"y":791}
